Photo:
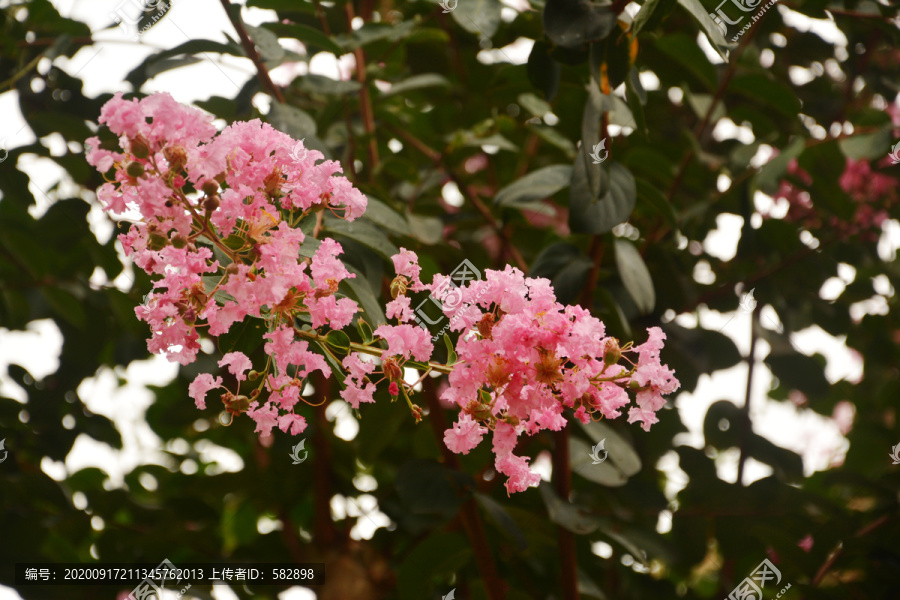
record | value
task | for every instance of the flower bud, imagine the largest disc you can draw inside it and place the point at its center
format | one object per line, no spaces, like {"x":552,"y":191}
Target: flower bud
{"x":179,"y":241}
{"x":611,"y":352}
{"x":157,"y":241}
{"x":253,"y":375}
{"x":211,"y":203}
{"x":140,"y":147}
{"x":210,"y":187}
{"x":134,"y":169}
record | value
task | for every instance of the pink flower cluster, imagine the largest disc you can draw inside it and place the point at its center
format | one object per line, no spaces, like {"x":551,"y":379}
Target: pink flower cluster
{"x":217,"y":215}
{"x":872,"y":192}
{"x":218,"y":231}
{"x":524,"y":361}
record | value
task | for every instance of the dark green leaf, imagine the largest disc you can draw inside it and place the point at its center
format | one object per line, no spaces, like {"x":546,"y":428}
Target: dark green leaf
{"x":537,"y":185}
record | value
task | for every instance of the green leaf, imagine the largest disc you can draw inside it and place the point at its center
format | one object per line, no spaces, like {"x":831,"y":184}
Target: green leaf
{"x":478,"y":16}
{"x":386,"y":217}
{"x":365,"y":331}
{"x":310,"y":36}
{"x":620,"y":452}
{"x":536,"y":106}
{"x":428,"y":230}
{"x":451,"y":351}
{"x":589,"y":213}
{"x":604,"y":473}
{"x":647,"y":192}
{"x":643,"y":16}
{"x":554,"y":138}
{"x":360,"y":290}
{"x":715,"y":35}
{"x":426,"y":487}
{"x":572,"y":23}
{"x":543,"y":72}
{"x":566,"y":266}
{"x":684,"y":50}
{"x":326,"y":86}
{"x":417,"y":82}
{"x":502,"y":519}
{"x":66,"y":305}
{"x":867,"y":146}
{"x":338,"y":340}
{"x":537,"y":185}
{"x":565,"y":514}
{"x":800,"y":372}
{"x":769,"y":92}
{"x":364,"y":232}
{"x":143,"y":72}
{"x":635,"y":275}
{"x":266,"y":42}
{"x":291,"y":120}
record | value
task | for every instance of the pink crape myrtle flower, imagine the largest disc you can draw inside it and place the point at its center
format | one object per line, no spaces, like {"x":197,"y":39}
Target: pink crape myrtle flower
{"x":525,"y":360}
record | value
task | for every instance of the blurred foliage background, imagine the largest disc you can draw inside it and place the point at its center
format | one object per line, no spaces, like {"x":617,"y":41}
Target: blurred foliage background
{"x":698,"y":127}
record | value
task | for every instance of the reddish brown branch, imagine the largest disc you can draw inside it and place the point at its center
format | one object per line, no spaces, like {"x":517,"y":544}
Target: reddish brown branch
{"x":562,"y":477}
{"x":365,"y":99}
{"x":234,"y":15}
{"x":468,"y":513}
{"x":437,"y":158}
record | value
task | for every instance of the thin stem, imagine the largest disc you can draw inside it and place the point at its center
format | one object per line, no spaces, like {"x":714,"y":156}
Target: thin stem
{"x":437,"y":158}
{"x":746,"y":424}
{"x":562,"y":477}
{"x":250,"y":49}
{"x":370,"y":350}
